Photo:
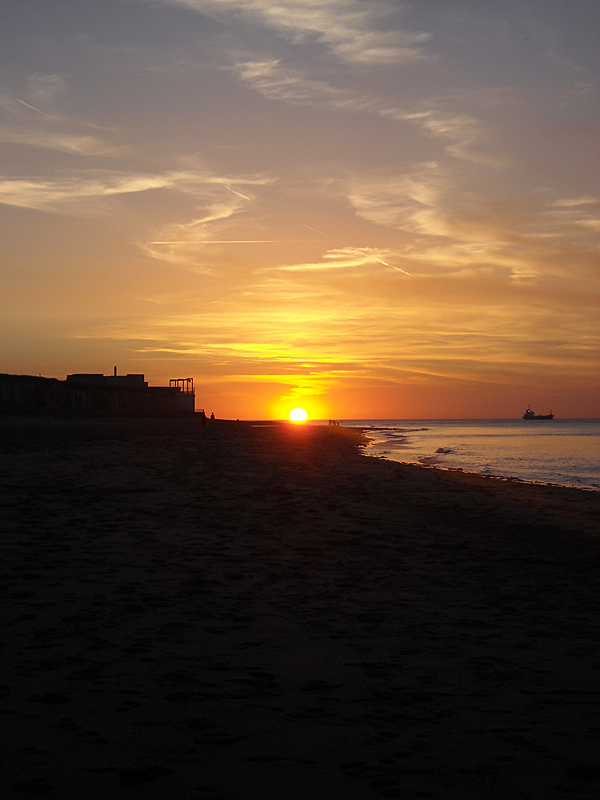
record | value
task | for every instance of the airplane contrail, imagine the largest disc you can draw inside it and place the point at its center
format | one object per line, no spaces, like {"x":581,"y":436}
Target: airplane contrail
{"x":239,"y":194}
{"x":321,"y":233}
{"x":33,"y":108}
{"x":385,"y":264}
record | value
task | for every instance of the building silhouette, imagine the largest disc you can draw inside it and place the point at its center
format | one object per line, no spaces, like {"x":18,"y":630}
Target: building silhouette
{"x":96,"y":395}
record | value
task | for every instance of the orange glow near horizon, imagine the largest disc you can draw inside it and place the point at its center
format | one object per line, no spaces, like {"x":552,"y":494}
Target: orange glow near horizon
{"x":302,"y":396}
{"x":447,"y":270}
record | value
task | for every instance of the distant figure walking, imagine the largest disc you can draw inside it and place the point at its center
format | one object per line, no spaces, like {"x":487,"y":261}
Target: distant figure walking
{"x":333,"y":422}
{"x":212,"y":415}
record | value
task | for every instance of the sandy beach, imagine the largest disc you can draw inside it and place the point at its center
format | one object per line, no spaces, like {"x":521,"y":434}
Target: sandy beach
{"x":242,"y":611}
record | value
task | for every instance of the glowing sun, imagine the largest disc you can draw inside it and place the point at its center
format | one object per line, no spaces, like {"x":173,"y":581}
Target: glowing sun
{"x":298,"y":415}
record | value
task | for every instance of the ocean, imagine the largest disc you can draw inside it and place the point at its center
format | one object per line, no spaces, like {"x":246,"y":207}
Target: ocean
{"x":563,"y":452}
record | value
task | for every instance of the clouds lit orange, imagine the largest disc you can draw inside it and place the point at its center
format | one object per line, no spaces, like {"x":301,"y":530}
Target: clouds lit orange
{"x":369,"y":210}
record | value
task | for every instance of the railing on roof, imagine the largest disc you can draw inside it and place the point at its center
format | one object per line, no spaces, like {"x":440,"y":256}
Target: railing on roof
{"x":185,"y":384}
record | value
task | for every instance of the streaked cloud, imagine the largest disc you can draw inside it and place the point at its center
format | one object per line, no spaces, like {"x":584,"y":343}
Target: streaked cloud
{"x":276,"y":82}
{"x":377,"y":342}
{"x":84,"y":145}
{"x":346,"y":258}
{"x":569,"y":202}
{"x":462,"y":232}
{"x":594,"y":224}
{"x":341,"y":198}
{"x":27,"y":125}
{"x":46,"y":88}
{"x":354,"y":32}
{"x":75,"y":192}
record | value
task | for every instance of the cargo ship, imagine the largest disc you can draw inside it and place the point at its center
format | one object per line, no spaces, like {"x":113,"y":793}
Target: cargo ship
{"x":529,"y":414}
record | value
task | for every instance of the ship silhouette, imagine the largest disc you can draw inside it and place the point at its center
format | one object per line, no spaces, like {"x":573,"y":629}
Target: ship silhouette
{"x":529,"y":414}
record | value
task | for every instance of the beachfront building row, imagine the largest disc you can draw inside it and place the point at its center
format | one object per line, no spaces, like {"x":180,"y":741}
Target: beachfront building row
{"x":92,"y":394}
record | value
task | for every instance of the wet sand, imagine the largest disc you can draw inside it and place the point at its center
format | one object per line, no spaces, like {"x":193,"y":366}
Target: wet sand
{"x":238,"y":612}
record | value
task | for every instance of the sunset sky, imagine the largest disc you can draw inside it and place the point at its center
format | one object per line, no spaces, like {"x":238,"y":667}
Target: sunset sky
{"x":367,"y":209}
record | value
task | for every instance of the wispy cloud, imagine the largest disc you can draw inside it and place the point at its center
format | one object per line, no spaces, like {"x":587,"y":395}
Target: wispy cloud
{"x":19,"y":111}
{"x":46,"y":88}
{"x":29,"y":126}
{"x":382,"y":340}
{"x":77,"y":193}
{"x":270,"y":79}
{"x":347,"y":258}
{"x":409,"y":201}
{"x":354,"y":32}
{"x":567,"y":212}
{"x":594,"y":224}
{"x":460,"y":233}
{"x":198,"y":242}
{"x":83,"y":145}
{"x":568,"y":202}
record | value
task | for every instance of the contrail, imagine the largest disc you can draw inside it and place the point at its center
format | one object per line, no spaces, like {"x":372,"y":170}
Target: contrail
{"x":321,"y":233}
{"x":33,"y":108}
{"x":379,"y":261}
{"x":239,"y":194}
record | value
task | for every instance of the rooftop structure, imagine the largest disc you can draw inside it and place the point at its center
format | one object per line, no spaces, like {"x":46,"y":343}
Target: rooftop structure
{"x":94,"y":394}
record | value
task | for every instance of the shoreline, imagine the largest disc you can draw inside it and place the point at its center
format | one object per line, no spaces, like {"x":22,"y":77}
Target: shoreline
{"x":488,"y":476}
{"x":237,"y":611}
{"x":579,"y":480}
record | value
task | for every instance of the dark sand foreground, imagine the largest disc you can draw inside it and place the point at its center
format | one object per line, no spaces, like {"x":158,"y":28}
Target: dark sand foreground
{"x":261,"y":612}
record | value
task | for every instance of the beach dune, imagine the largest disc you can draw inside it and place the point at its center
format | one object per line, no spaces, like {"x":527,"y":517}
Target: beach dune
{"x":242,"y":611}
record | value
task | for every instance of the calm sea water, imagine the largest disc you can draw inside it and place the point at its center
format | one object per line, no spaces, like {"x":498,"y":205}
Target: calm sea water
{"x":564,"y":452}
